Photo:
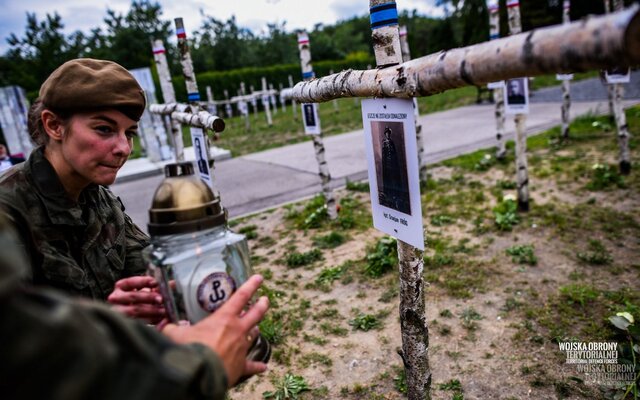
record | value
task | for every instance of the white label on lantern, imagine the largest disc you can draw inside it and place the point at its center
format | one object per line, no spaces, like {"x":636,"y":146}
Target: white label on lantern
{"x":392,"y":158}
{"x":495,"y":85}
{"x":310,"y":118}
{"x":214,"y":290}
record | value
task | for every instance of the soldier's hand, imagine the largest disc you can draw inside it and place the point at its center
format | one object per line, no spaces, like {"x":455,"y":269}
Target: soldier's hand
{"x":136,"y":297}
{"x":230,"y":331}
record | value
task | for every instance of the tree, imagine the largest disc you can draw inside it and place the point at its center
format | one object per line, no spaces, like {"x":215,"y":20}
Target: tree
{"x":475,"y":22}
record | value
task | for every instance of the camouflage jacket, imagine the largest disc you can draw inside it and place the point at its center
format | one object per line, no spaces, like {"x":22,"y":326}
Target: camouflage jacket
{"x":61,"y":349}
{"x":81,"y":248}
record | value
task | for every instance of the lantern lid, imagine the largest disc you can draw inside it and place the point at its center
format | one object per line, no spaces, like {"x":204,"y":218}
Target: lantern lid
{"x":183,"y":203}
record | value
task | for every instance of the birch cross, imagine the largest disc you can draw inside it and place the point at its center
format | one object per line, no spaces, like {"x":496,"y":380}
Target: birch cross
{"x":593,"y":43}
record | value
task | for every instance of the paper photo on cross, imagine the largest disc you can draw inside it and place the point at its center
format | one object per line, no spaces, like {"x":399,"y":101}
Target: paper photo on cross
{"x":392,"y":157}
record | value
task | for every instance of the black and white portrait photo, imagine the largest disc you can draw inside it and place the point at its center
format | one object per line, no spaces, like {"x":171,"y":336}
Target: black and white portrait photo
{"x":391,"y":165}
{"x":311,"y":121}
{"x":516,"y":96}
{"x":202,"y":163}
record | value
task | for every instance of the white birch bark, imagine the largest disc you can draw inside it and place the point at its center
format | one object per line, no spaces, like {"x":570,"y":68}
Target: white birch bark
{"x":498,"y":99}
{"x":272,"y":99}
{"x":620,"y":116}
{"x":242,"y":103}
{"x":623,"y":131}
{"x":406,"y":56}
{"x":566,"y":106}
{"x":190,"y":115}
{"x":413,"y":323}
{"x":335,"y":101}
{"x":522,"y":174}
{"x":283,"y":103}
{"x":293,"y":101}
{"x":591,"y":43}
{"x":265,"y":104}
{"x":169,"y":96}
{"x":318,"y":144}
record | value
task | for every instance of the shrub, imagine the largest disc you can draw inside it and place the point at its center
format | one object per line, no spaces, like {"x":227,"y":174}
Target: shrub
{"x":295,"y":259}
{"x":505,"y":214}
{"x":329,"y":241}
{"x":596,"y":255}
{"x":604,"y":176}
{"x":365,"y":322}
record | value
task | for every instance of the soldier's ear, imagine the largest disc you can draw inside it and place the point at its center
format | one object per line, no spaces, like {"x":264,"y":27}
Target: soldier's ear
{"x":52,"y":124}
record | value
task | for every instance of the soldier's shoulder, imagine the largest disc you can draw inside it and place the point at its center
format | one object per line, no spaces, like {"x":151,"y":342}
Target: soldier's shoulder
{"x":14,"y":183}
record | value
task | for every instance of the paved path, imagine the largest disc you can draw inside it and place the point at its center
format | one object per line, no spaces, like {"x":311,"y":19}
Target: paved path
{"x":262,"y":180}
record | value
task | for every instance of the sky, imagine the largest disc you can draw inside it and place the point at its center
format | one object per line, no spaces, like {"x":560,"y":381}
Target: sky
{"x":84,"y":15}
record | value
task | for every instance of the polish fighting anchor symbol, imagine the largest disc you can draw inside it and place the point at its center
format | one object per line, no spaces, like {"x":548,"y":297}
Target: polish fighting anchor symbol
{"x":220,"y":293}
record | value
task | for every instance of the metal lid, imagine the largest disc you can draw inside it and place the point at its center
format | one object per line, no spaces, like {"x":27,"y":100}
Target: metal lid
{"x":183,"y":203}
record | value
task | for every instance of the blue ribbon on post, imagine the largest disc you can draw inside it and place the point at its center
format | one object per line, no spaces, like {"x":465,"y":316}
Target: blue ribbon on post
{"x":307,"y":75}
{"x":383,"y":15}
{"x":193,"y":96}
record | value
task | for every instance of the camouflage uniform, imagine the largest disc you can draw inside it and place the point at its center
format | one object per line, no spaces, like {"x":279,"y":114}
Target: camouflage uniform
{"x":81,"y":248}
{"x":56,"y":348}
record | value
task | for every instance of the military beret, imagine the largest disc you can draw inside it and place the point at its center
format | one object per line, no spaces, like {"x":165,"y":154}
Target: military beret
{"x":85,"y":83}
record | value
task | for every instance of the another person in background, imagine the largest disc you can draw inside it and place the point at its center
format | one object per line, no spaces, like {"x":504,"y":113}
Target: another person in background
{"x":54,"y":347}
{"x":74,"y":229}
{"x":6,"y":160}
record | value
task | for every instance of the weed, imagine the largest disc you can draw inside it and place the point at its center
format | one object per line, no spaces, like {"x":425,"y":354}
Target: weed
{"x":506,"y":185}
{"x":314,"y":339}
{"x":453,"y":384}
{"x":442,"y":219}
{"x":577,"y":293}
{"x":329,"y":241}
{"x":469,"y":316}
{"x":295,"y":259}
{"x":446,"y":313}
{"x":382,"y":257}
{"x":604,"y":176}
{"x":288,"y":388}
{"x":485,"y":163}
{"x":272,"y":330}
{"x":505,"y":214}
{"x":315,"y":358}
{"x":522,"y":254}
{"x":596,"y":255}
{"x":357,"y":186}
{"x":328,"y":275}
{"x":249,"y":231}
{"x":365,"y":322}
{"x":400,"y":380}
{"x":389,"y":295}
{"x":333,"y":329}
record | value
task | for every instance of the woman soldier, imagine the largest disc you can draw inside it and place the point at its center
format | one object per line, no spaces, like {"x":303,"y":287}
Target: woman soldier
{"x":73,"y":229}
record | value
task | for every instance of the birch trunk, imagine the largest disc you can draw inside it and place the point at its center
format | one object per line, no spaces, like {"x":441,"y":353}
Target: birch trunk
{"x":335,"y":101}
{"x":193,"y":95}
{"x":294,"y":106}
{"x":283,"y":103}
{"x":265,"y":104}
{"x":413,"y":324}
{"x":406,"y":56}
{"x":169,"y":96}
{"x":620,"y":117}
{"x":623,"y":130}
{"x":498,"y":98}
{"x":522,"y":174}
{"x":592,"y":43}
{"x":566,"y":105}
{"x":272,"y":99}
{"x":318,"y":145}
{"x":243,"y":107}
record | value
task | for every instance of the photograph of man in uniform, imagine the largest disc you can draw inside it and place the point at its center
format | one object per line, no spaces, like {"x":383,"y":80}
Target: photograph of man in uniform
{"x":391,"y":165}
{"x":515,"y":91}
{"x":309,"y":115}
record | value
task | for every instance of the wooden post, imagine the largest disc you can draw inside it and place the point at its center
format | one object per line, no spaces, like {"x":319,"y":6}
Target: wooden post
{"x":243,"y":107}
{"x":265,"y":101}
{"x":566,"y":84}
{"x":211,"y":102}
{"x":294,"y":106}
{"x":620,"y":116}
{"x":498,"y":92}
{"x":169,"y":96}
{"x":406,"y":56}
{"x":283,"y":103}
{"x":413,"y":323}
{"x":318,"y":144}
{"x":272,"y":99}
{"x":522,"y":173}
{"x":193,"y":97}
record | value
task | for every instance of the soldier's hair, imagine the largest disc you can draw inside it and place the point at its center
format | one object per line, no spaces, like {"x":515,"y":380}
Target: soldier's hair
{"x":37,"y":133}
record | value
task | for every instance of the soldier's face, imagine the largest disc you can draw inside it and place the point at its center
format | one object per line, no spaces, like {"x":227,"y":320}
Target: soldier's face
{"x":96,"y":144}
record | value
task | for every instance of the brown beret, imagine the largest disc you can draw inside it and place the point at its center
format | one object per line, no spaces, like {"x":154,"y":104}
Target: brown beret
{"x":85,"y":83}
